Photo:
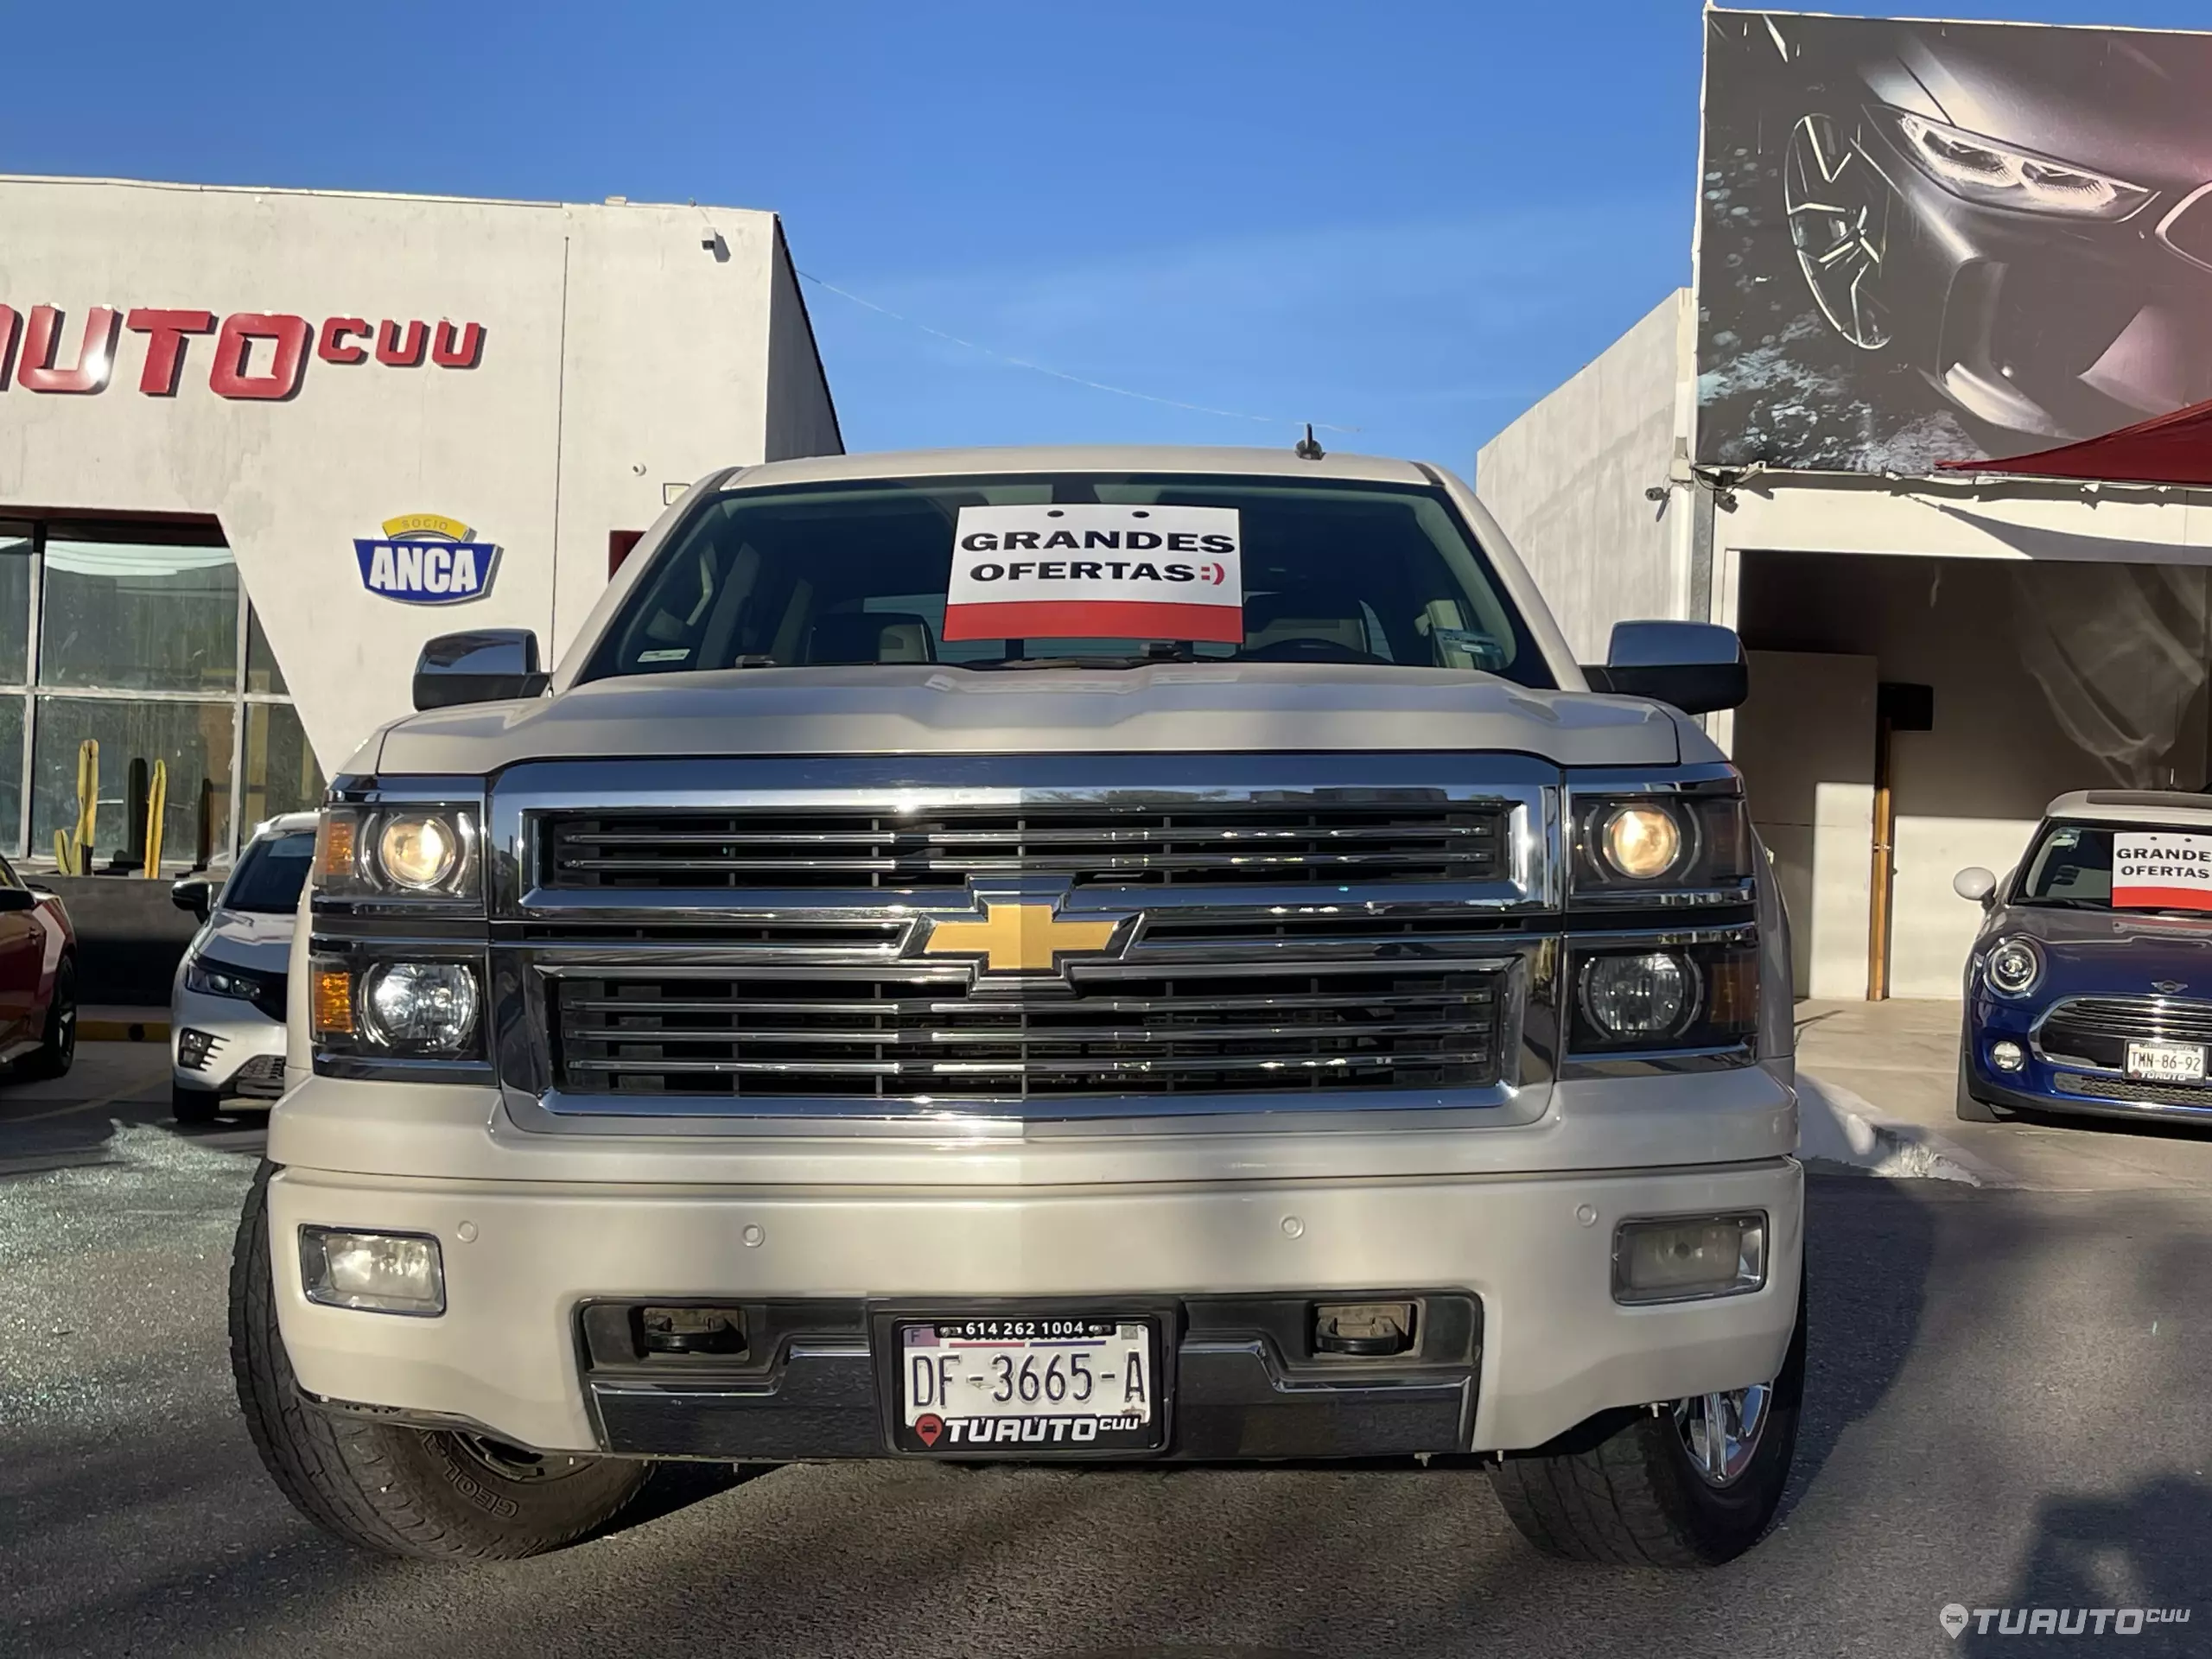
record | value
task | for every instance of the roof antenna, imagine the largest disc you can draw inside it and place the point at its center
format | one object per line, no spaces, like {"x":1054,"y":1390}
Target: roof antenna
{"x":1308,"y":450}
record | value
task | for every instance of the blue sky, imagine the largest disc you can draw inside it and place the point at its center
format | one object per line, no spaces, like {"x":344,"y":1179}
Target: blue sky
{"x":1410,"y":219}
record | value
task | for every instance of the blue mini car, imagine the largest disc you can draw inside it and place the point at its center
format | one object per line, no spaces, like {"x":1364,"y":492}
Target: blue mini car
{"x":2090,"y":985}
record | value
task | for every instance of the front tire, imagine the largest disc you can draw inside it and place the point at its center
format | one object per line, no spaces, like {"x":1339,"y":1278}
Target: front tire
{"x":1647,"y":1495}
{"x":57,"y":1049}
{"x":433,"y":1495}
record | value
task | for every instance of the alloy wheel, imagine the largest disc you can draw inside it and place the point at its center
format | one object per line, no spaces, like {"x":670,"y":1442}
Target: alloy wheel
{"x":1839,"y":210}
{"x":1720,"y":1433}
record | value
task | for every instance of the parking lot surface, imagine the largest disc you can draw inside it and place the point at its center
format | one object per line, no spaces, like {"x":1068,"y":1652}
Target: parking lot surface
{"x":2005,"y":1408}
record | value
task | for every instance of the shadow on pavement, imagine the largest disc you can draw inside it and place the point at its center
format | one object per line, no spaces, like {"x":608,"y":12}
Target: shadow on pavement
{"x":1869,"y":1246}
{"x":2139,"y":1557}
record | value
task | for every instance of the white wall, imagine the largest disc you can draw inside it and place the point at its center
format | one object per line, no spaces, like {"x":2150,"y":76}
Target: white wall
{"x":1805,"y":741}
{"x":619,"y":356}
{"x":1567,"y":482}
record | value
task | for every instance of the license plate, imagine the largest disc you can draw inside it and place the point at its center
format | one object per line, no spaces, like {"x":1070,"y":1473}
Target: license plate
{"x":1028,"y":1387}
{"x":2167,"y":1062}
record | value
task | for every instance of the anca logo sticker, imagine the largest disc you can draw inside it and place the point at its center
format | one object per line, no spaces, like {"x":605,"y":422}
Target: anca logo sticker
{"x":424,"y":559}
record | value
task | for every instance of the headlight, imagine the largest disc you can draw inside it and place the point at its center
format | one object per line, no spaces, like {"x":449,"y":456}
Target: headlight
{"x":363,"y":1010}
{"x":1671,"y":992}
{"x":416,"y":851}
{"x":1642,"y":842}
{"x":214,"y":982}
{"x":2014,"y":967}
{"x":420,"y":1004}
{"x":407,"y":853}
{"x":1659,"y":848}
{"x":1646,"y":996}
{"x":1981,"y":169}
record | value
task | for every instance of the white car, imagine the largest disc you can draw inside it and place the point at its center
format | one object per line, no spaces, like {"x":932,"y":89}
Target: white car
{"x":1113,"y":955}
{"x":226,"y":1005}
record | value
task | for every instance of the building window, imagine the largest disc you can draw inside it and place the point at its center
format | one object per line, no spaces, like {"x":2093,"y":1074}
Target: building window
{"x":141,"y":640}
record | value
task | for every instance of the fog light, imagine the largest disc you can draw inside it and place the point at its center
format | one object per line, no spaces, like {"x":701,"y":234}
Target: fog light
{"x":2007,"y":1056}
{"x":380,"y":1272}
{"x":1689,"y":1257}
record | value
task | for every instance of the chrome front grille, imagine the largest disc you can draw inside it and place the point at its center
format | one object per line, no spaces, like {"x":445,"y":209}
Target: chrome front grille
{"x":917,"y":1030}
{"x":763,"y":939}
{"x":2096,"y":1030}
{"x":1090,"y":845}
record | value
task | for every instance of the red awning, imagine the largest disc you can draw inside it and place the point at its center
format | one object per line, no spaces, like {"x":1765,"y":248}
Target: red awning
{"x":2174,"y":448}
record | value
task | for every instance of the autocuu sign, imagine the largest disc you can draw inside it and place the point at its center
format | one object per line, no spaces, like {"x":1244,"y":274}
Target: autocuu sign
{"x":425,"y":559}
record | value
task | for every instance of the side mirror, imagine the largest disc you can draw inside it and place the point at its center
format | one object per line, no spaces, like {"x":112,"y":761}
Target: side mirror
{"x":1697,"y":666}
{"x":17,"y":899}
{"x":484,"y":666}
{"x":1975,"y":885}
{"x":195,"y":893}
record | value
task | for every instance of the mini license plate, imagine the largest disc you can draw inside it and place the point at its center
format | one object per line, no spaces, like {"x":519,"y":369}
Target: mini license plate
{"x":1028,"y":1387}
{"x":2167,"y":1062}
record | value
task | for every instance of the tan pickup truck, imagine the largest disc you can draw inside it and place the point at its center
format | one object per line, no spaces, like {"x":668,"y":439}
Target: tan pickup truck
{"x":1119,"y":955}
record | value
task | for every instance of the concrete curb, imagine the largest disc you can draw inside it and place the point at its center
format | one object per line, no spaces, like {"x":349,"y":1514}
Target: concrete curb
{"x":1840,"y":1130}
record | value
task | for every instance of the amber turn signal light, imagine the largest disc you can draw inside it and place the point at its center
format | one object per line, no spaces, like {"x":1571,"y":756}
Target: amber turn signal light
{"x":334,"y":850}
{"x":333,"y":1002}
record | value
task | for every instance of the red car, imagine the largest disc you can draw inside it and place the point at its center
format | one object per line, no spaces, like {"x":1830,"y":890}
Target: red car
{"x":38,"y":980}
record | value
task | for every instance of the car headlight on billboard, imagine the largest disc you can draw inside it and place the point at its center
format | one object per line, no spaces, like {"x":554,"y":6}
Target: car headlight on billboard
{"x":1981,"y":169}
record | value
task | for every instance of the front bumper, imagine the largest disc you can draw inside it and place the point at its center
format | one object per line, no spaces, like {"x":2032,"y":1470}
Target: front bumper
{"x":2059,"y":1086}
{"x":242,"y":1049}
{"x":1529,"y":1256}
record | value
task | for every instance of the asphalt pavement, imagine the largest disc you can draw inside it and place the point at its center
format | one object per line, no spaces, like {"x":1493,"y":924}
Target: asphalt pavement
{"x":2006,"y":1409}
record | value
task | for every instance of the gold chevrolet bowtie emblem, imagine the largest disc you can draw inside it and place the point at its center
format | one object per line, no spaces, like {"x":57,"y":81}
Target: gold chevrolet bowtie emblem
{"x":1018,"y":938}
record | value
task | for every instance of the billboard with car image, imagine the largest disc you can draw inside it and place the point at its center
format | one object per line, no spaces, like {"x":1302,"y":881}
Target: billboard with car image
{"x":1933,"y":241}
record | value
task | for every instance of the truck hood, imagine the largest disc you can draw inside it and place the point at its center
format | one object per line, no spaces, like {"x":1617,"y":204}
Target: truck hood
{"x":924,"y":709}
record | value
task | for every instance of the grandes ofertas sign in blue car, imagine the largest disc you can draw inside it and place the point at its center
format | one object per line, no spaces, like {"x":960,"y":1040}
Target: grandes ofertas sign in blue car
{"x":2090,"y":985}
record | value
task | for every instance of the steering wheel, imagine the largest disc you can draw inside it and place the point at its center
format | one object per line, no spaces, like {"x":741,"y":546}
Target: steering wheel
{"x":1307,"y":648}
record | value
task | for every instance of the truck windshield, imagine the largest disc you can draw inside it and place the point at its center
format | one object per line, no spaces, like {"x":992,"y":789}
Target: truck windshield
{"x":271,"y":873}
{"x":1091,"y":568}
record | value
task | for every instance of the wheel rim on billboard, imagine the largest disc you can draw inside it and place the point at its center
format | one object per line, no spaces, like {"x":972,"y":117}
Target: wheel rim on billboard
{"x":1838,"y":221}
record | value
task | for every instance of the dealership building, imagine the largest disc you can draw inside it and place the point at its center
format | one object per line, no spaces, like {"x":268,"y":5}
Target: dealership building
{"x":1941,"y":273}
{"x":257,"y":445}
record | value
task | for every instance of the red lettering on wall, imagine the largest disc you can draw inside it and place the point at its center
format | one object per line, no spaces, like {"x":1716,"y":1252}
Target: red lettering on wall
{"x":391,"y":350}
{"x":334,"y":348}
{"x":227,"y":378}
{"x":36,"y":371}
{"x":41,"y":364}
{"x":450,"y":351}
{"x":165,"y":332}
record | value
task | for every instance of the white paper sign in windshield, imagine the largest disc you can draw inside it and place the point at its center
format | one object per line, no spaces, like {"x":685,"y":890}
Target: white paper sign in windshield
{"x":2159,"y":869}
{"x":1093,"y":572}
